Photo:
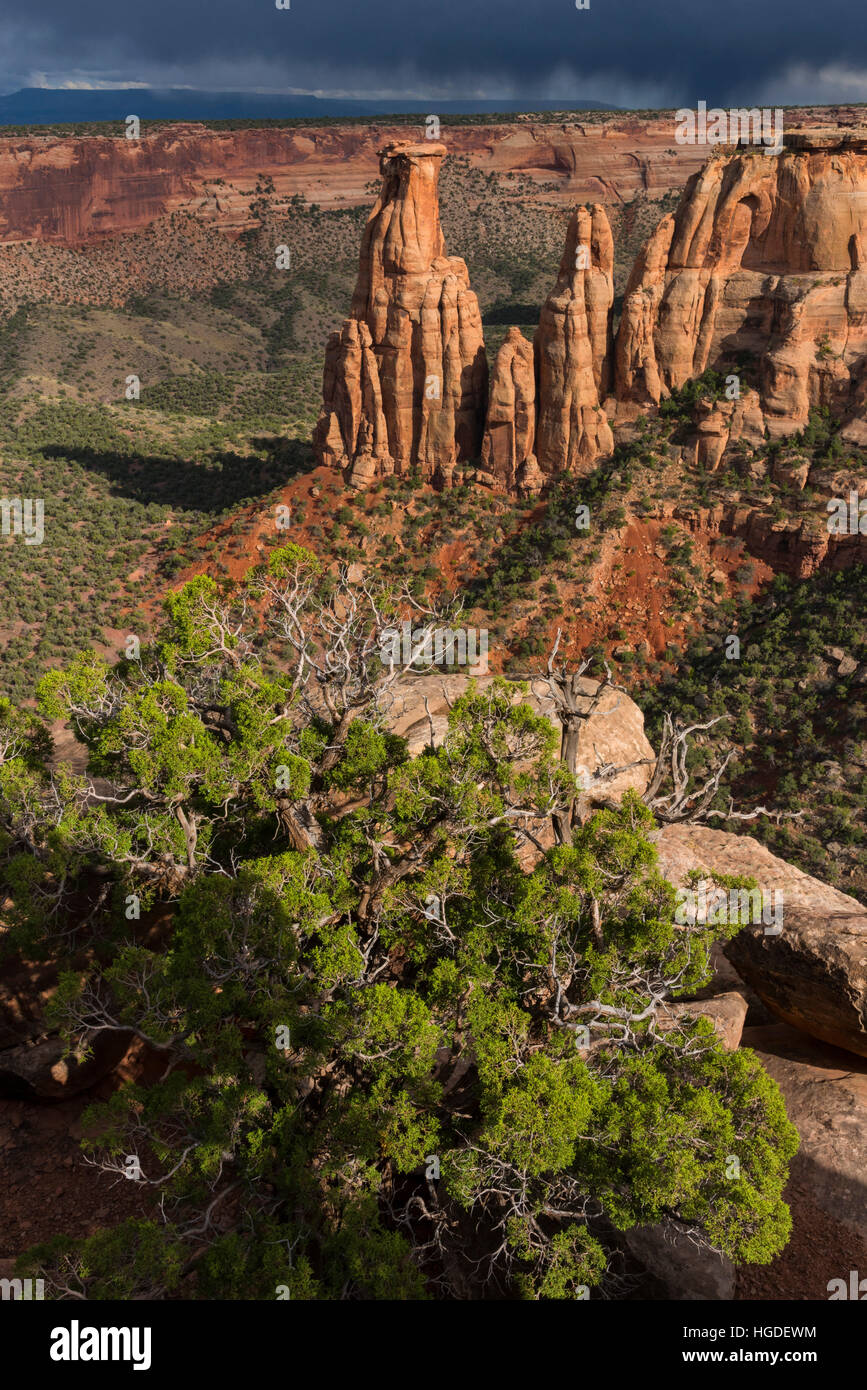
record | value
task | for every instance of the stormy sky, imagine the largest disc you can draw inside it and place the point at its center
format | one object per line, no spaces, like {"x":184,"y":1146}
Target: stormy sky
{"x":624,"y":52}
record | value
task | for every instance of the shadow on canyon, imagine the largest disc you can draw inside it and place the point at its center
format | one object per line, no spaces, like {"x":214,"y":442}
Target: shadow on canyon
{"x":220,"y":480}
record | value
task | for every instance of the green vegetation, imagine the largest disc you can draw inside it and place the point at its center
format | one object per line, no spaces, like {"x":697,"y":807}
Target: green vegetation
{"x":375,"y":1085}
{"x":799,"y":728}
{"x":112,"y":505}
{"x":397,"y":1064}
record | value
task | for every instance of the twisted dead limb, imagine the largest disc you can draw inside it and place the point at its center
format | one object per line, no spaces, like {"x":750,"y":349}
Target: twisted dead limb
{"x":694,"y":806}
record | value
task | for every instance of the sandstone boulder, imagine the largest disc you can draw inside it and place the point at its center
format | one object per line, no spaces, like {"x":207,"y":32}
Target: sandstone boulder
{"x":45,"y":1070}
{"x":25,"y":987}
{"x":727,"y":1013}
{"x":678,"y":1269}
{"x":418,"y":710}
{"x":813,"y":974}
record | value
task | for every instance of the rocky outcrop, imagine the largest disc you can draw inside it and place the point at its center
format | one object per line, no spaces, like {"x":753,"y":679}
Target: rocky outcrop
{"x":764,"y":262}
{"x":813,"y":972}
{"x":406,"y":379}
{"x":612,"y":735}
{"x":572,"y":346}
{"x":760,"y":274}
{"x":405,"y":382}
{"x":355,"y":425}
{"x":797,"y":546}
{"x":726,"y":1012}
{"x":417,"y":708}
{"x":545,"y":411}
{"x":718,"y":423}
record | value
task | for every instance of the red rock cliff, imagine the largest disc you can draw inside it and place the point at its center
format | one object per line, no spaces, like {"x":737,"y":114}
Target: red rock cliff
{"x":764,"y":258}
{"x":77,"y":189}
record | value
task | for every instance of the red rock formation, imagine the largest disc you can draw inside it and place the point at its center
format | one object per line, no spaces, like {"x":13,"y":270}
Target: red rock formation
{"x":812,"y":971}
{"x":510,"y":428}
{"x":565,"y":378}
{"x":572,"y":346}
{"x":762,"y":258}
{"x":424,"y":371}
{"x":355,"y":424}
{"x":799,"y":546}
{"x":718,"y":422}
{"x":636,"y":369}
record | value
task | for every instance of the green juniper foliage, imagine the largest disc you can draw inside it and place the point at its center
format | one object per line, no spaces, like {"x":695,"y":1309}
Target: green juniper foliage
{"x":398,"y":1064}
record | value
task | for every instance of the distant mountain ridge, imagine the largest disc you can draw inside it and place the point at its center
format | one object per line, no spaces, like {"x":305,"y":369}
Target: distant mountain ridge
{"x":48,"y":106}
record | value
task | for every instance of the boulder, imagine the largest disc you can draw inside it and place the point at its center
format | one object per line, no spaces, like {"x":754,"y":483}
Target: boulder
{"x":530,"y":479}
{"x":677,"y":1268}
{"x":613,"y":734}
{"x":45,"y":1070}
{"x":727,"y":1013}
{"x":33,"y":1061}
{"x":813,"y":972}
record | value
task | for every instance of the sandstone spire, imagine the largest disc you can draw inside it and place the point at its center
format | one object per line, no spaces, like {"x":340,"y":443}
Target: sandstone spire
{"x":510,"y":428}
{"x":572,"y":346}
{"x":405,"y":381}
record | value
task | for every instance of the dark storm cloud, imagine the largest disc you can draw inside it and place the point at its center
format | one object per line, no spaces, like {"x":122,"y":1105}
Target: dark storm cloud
{"x":677,"y":51}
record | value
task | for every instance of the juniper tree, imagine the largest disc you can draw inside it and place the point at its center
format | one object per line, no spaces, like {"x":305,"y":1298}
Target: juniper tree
{"x":406,"y":1051}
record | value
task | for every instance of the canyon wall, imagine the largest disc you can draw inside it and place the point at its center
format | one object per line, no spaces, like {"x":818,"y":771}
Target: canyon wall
{"x":760,"y":271}
{"x":72,"y":190}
